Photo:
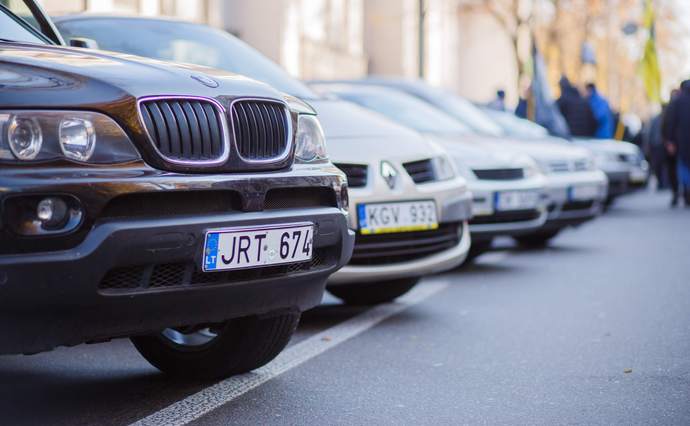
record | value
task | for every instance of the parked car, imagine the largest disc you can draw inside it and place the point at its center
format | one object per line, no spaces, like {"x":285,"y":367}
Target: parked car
{"x":623,"y":162}
{"x":408,"y":206}
{"x":508,"y":190}
{"x":191,"y":210}
{"x":575,"y":186}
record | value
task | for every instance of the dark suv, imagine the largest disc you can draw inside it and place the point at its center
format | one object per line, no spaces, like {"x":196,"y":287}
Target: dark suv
{"x":191,"y":210}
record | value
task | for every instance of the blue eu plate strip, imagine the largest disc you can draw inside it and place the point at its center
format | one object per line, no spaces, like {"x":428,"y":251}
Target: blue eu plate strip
{"x":211,"y":252}
{"x":362,"y":215}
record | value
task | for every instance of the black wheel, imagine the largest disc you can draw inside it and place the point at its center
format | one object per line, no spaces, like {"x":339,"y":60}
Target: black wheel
{"x":537,"y":239}
{"x":373,"y":293}
{"x":218,"y":351}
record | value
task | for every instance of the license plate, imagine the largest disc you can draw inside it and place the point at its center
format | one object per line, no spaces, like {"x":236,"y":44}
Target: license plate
{"x":255,"y":247}
{"x":583,"y":193}
{"x":516,"y":200}
{"x":379,"y":218}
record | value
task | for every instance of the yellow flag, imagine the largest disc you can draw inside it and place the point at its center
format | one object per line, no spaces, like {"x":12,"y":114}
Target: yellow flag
{"x":649,"y":65}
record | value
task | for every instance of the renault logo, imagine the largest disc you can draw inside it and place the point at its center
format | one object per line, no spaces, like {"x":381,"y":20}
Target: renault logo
{"x":389,"y":174}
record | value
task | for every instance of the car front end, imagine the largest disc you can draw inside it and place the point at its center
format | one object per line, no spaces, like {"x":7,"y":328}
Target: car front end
{"x":623,"y":163}
{"x":508,"y":190}
{"x":408,"y":206}
{"x":122,"y":199}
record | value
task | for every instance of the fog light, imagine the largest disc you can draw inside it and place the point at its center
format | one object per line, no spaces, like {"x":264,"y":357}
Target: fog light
{"x":52,"y":212}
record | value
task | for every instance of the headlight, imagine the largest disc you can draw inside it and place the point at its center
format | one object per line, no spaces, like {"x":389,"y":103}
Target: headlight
{"x":24,"y":137}
{"x":310,"y":142}
{"x":77,"y":138}
{"x":87,"y":137}
{"x":605,"y":157}
{"x":443,"y":168}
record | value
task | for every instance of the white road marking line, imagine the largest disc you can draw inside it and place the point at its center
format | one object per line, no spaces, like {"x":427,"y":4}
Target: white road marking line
{"x":492,"y":257}
{"x":194,"y":406}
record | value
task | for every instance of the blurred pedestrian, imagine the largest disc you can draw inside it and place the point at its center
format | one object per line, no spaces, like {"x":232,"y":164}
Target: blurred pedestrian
{"x":602,"y":113}
{"x":676,"y":132}
{"x":576,"y":110}
{"x":499,"y":103}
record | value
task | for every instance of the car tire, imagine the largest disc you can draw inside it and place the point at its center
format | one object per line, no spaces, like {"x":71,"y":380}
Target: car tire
{"x":363,"y":294}
{"x":239,"y":346}
{"x":538,"y":239}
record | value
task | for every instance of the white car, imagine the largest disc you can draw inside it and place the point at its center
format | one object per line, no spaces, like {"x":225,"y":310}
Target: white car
{"x":623,"y":162}
{"x":508,"y":190}
{"x":409,"y":207}
{"x":576,"y":187}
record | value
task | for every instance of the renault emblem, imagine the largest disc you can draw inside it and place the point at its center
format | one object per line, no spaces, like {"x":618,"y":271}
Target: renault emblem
{"x":389,"y":174}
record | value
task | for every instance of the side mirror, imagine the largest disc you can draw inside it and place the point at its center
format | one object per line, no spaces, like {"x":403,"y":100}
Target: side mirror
{"x":85,"y":43}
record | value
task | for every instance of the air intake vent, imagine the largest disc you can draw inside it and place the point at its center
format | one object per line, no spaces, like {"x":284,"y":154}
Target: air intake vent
{"x":356,"y":174}
{"x":261,"y":129}
{"x":420,"y":171}
{"x":186,"y":130}
{"x":499,"y":174}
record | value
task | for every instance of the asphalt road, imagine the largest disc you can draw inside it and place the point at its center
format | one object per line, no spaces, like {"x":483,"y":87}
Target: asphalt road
{"x":593,"y":330}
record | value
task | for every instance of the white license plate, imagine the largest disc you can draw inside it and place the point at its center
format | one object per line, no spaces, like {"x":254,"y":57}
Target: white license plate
{"x":379,"y":218}
{"x":254,"y":247}
{"x":516,"y":200}
{"x":583,"y":193}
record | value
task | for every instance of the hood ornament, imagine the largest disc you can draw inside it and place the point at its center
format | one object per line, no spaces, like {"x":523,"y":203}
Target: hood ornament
{"x":205,"y":80}
{"x":389,"y":174}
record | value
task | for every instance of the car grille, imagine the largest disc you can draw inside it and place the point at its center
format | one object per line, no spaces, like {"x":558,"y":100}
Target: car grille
{"x":563,"y":166}
{"x":179,"y":275}
{"x":506,"y":217}
{"x":499,"y":174}
{"x":581,"y":165}
{"x":420,"y":171}
{"x":577,"y":205}
{"x":356,"y":174}
{"x":559,"y":166}
{"x":261,"y":129}
{"x":186,"y":130}
{"x":404,"y":246}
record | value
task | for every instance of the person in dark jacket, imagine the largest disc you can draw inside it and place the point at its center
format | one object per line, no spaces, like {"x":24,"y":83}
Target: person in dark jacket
{"x":605,"y":126}
{"x":676,"y":130}
{"x":576,"y":110}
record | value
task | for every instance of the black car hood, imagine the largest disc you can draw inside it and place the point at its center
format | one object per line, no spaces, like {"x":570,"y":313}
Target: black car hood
{"x":53,"y":76}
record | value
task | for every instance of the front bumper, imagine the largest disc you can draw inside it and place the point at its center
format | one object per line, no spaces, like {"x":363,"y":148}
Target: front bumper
{"x":488,"y":223}
{"x":453,"y":204}
{"x":439,"y":262}
{"x":564,"y":208}
{"x":62,"y":297}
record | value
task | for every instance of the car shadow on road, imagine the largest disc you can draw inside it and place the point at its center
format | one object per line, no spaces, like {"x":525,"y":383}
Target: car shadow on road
{"x":64,"y":387}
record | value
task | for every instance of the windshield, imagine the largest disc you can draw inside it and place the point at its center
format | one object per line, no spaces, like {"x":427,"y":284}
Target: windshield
{"x":459,"y":108}
{"x":17,"y":23}
{"x":184,"y":42}
{"x":404,"y":109}
{"x":516,"y":126}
